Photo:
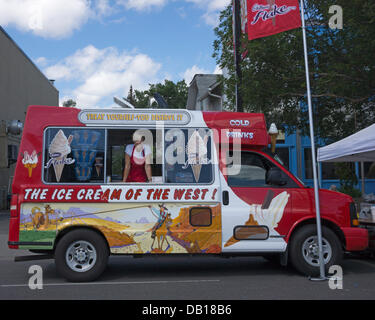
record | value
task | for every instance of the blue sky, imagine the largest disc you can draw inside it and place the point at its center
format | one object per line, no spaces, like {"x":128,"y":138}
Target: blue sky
{"x":96,"y":49}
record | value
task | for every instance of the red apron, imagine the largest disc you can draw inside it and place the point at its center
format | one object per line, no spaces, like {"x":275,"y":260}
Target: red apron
{"x":137,"y":171}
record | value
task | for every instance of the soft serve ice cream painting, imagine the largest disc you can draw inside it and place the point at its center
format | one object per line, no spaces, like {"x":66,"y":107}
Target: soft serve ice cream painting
{"x":58,"y":151}
{"x":267,"y":214}
{"x":196,"y":150}
{"x":30,"y":161}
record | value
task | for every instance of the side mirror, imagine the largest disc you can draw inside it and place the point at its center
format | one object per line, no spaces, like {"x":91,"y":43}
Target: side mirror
{"x":274,"y":177}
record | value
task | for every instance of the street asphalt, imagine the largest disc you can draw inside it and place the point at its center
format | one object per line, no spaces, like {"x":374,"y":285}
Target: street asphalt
{"x":182,"y":278}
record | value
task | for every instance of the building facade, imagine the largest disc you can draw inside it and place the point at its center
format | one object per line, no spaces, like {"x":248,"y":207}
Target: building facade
{"x":21,"y":84}
{"x":295,"y":151}
{"x":205,"y":93}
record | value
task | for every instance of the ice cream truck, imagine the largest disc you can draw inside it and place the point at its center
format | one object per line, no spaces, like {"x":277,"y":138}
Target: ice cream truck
{"x":143,"y":182}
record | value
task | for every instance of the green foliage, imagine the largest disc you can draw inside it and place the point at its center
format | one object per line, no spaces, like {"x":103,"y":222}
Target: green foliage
{"x":69,"y":103}
{"x":342,"y":70}
{"x":351,"y":191}
{"x":348,"y":179}
{"x":175,"y":94}
{"x":131,"y":97}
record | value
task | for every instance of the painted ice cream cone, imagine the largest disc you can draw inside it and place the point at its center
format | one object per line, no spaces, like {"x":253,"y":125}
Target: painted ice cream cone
{"x":58,"y":167}
{"x":197,"y":153}
{"x":98,"y":165}
{"x":59,"y":149}
{"x":250,"y":222}
{"x":196,"y":171}
{"x":30,"y":167}
{"x":30,"y":170}
{"x":30,"y":162}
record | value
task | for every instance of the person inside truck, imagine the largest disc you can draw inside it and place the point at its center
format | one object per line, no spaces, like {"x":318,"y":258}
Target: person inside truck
{"x":138,"y":159}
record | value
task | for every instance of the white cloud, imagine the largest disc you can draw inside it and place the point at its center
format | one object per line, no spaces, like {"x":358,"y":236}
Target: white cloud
{"x":46,"y":18}
{"x":100,"y":74}
{"x":103,"y":8}
{"x":141,"y":5}
{"x":58,"y":72}
{"x":60,"y":18}
{"x":212,"y":9}
{"x":41,"y":62}
{"x":189,"y":74}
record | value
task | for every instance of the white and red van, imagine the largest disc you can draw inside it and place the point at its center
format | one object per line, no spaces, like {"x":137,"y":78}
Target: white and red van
{"x":202,"y":183}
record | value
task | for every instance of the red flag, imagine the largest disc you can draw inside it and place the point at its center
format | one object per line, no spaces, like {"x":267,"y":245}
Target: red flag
{"x":268,"y":17}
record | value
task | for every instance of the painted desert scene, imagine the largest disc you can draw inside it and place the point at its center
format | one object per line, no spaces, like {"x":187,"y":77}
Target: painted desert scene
{"x":128,"y":228}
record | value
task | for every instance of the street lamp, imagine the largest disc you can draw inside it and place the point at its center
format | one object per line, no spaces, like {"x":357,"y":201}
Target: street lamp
{"x":13,"y":127}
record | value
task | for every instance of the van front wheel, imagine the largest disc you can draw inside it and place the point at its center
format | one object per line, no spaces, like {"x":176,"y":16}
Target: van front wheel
{"x":304,"y":250}
{"x":81,"y":255}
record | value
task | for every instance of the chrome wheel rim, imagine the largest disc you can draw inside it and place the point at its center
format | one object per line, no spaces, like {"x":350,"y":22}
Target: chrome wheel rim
{"x":310,"y":251}
{"x":81,"y":256}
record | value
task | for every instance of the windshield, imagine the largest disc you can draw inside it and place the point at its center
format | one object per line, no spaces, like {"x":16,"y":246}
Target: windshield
{"x":300,"y":181}
{"x":278,"y":159}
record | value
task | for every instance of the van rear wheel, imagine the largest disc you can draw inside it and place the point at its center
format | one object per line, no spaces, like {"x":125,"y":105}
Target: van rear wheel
{"x":81,"y":255}
{"x":304,"y":250}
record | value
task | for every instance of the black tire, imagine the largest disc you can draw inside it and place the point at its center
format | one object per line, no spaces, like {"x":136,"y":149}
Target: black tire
{"x":82,"y":238}
{"x":299,"y":255}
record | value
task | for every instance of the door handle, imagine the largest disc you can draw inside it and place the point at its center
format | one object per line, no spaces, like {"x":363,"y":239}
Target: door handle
{"x":225,"y":198}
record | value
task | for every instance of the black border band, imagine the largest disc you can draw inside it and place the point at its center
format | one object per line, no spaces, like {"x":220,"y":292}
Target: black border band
{"x":26,"y":243}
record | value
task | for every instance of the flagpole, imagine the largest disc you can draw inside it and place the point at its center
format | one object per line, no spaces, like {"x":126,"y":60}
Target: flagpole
{"x":316,"y":186}
{"x":237,"y":55}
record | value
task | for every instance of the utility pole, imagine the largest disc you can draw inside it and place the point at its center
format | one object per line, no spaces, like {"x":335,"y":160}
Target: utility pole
{"x":237,"y":53}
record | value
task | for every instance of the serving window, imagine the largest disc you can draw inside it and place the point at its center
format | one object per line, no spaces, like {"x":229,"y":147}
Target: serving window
{"x":74,"y":155}
{"x":131,"y":155}
{"x":188,"y":156}
{"x":121,"y":142}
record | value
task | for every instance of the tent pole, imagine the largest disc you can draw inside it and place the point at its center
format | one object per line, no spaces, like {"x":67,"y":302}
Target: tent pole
{"x":320,"y":174}
{"x":363,"y":177}
{"x":316,"y":187}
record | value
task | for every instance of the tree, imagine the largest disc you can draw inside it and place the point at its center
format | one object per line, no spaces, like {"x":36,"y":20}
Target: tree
{"x":175,"y":94}
{"x":342,"y":70}
{"x":131,"y":97}
{"x":348,"y":179}
{"x":69,"y":103}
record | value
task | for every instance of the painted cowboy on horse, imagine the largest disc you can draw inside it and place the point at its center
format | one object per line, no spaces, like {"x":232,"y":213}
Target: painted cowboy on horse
{"x":163,"y":217}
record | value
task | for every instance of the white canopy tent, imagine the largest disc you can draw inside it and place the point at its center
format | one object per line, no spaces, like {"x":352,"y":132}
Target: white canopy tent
{"x":359,"y":147}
